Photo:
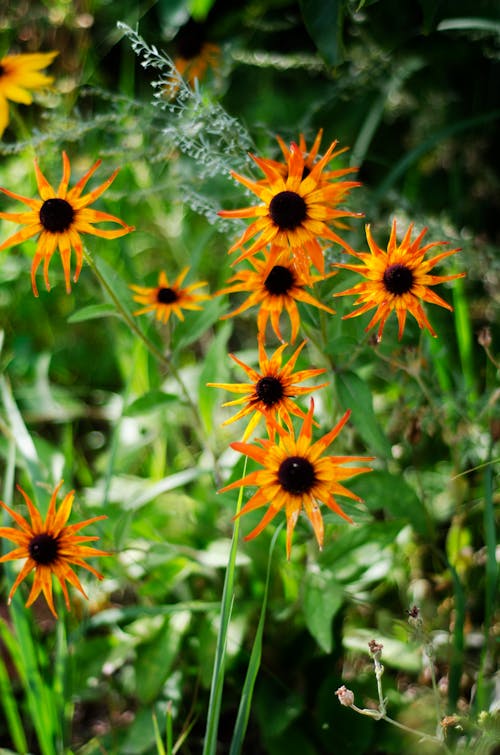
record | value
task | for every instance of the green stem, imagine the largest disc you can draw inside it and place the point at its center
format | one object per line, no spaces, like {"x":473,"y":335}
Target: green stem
{"x":210,"y":739}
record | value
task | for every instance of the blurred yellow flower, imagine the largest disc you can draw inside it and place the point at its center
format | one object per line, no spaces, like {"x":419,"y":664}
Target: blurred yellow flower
{"x":19,"y":74}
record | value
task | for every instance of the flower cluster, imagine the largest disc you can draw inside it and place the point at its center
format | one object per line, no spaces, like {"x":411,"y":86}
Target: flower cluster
{"x":280,"y":256}
{"x":300,"y":201}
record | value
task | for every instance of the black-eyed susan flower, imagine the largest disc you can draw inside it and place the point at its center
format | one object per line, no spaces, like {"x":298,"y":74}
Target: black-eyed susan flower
{"x":296,"y":476}
{"x":59,"y":217}
{"x":295,"y":208}
{"x":166,"y":297}
{"x":49,"y":547}
{"x":271,"y":391}
{"x":274,"y":289}
{"x":397,"y":280}
{"x":19,"y":74}
{"x":194,"y":54}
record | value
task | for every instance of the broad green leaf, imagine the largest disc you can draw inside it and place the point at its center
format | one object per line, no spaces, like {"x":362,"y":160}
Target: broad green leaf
{"x":155,"y":658}
{"x":393,"y":495}
{"x":355,"y":395}
{"x":149,"y":402}
{"x":196,"y":323}
{"x":401,"y":655}
{"x":322,"y":598}
{"x":323,"y":20}
{"x":93,"y":312}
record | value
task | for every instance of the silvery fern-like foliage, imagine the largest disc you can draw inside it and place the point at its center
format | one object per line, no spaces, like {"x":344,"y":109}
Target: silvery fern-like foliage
{"x":199,"y":127}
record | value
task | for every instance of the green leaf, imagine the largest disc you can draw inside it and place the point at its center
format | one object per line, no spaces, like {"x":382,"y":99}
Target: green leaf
{"x":199,"y":9}
{"x":195,"y":324}
{"x":211,"y":371}
{"x":394,"y":495}
{"x":155,"y":658}
{"x":149,"y":402}
{"x":355,"y":395}
{"x":93,"y":312}
{"x":322,"y":599}
{"x":323,"y":20}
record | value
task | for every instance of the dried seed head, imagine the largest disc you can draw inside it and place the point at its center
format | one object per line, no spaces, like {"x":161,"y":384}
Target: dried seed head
{"x":345,"y":696}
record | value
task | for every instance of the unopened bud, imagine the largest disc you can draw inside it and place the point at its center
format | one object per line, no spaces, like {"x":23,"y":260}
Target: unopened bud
{"x":345,"y":696}
{"x":375,"y":649}
{"x":484,"y":337}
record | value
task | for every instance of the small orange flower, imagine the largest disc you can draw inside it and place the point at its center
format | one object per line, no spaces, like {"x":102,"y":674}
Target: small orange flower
{"x":166,"y":297}
{"x":274,"y":289}
{"x":59,"y":217}
{"x":18,"y":74}
{"x":295,"y":476}
{"x":194,"y":54}
{"x":296,"y":208}
{"x":397,"y":280}
{"x":271,"y":391}
{"x":49,"y":547}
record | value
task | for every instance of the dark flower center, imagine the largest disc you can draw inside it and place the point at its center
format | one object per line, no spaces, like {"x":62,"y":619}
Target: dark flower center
{"x":190,"y":40}
{"x":287,"y":210}
{"x":43,"y":549}
{"x":398,"y":279}
{"x":269,"y":390}
{"x":166,"y":296}
{"x":280,"y":280}
{"x":296,"y":475}
{"x":2,"y":70}
{"x":56,"y":215}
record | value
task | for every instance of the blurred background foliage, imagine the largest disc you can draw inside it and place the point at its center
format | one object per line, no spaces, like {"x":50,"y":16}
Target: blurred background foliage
{"x":412,"y":89}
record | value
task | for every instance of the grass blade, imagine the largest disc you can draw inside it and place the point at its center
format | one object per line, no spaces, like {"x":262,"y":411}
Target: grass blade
{"x":254,"y":663}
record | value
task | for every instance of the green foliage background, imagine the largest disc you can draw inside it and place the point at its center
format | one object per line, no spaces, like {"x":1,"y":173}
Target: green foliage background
{"x":412,"y":89}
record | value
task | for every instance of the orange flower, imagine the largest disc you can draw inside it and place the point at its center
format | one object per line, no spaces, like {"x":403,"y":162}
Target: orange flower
{"x":397,"y":280}
{"x":59,"y":217}
{"x":310,"y":158}
{"x":271,"y":391}
{"x":295,"y":209}
{"x":166,"y":298}
{"x":274,"y":289}
{"x":295,"y":477}
{"x":18,"y":74}
{"x":49,"y":547}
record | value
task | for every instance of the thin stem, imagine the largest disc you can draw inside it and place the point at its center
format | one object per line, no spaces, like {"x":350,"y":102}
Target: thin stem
{"x":162,"y":358}
{"x":379,"y":715}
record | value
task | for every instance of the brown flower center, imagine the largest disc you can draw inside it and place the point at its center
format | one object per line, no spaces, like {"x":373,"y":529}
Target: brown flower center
{"x":279,"y":281}
{"x":269,"y":390}
{"x":166,"y":296}
{"x":296,"y":475}
{"x":43,"y":549}
{"x":398,"y":279}
{"x":287,"y":210}
{"x":56,"y":215}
